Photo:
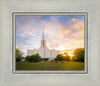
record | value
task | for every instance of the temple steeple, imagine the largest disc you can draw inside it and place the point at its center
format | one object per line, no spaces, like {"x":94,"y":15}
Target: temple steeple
{"x":43,"y":33}
{"x":43,"y":41}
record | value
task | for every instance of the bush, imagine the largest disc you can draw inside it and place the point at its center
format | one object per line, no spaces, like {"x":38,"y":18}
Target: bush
{"x":33,"y":58}
{"x":59,"y":56}
{"x":63,"y":57}
{"x":52,"y":61}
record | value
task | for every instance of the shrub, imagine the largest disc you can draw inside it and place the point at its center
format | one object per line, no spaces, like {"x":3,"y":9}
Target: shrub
{"x":33,"y":58}
{"x":63,"y":57}
{"x":52,"y":61}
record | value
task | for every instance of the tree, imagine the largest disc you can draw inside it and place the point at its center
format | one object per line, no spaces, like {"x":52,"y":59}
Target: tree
{"x":18,"y":55}
{"x":59,"y":56}
{"x":78,"y":54}
{"x":34,"y":58}
{"x":28,"y":58}
{"x":63,"y":57}
{"x":66,"y":56}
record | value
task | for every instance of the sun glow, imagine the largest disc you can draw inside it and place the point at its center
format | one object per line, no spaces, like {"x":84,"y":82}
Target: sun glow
{"x":64,"y":54}
{"x":70,"y":54}
{"x":61,"y":48}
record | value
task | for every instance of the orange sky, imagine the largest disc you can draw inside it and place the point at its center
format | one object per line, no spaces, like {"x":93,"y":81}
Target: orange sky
{"x":61,"y":32}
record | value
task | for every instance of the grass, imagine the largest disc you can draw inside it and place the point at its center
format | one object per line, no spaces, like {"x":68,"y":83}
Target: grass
{"x":50,"y":66}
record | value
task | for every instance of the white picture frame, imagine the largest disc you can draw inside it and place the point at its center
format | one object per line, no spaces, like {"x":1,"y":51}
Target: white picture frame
{"x":12,"y":79}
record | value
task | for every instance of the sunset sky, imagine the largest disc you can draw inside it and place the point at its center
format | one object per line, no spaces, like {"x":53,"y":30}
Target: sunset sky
{"x":61,"y":32}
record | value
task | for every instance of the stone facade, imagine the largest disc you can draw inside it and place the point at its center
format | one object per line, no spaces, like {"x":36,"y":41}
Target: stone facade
{"x":43,"y":51}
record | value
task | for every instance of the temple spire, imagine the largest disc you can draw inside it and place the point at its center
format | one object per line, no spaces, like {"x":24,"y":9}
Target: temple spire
{"x":43,"y":33}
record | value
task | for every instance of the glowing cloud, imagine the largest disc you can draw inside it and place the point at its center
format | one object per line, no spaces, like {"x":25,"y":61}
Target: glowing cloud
{"x":61,"y":32}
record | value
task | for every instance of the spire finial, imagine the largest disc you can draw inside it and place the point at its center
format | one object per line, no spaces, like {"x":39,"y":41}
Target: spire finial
{"x":43,"y":33}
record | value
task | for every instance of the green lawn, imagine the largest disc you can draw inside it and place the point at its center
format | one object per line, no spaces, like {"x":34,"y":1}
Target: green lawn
{"x":50,"y":66}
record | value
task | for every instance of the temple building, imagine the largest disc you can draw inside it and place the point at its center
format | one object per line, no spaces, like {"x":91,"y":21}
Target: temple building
{"x":44,"y":51}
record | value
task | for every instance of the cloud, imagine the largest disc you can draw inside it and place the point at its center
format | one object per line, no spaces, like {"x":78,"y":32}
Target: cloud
{"x":71,"y":37}
{"x":19,"y":44}
{"x":29,"y":29}
{"x":53,"y":46}
{"x":22,"y":35}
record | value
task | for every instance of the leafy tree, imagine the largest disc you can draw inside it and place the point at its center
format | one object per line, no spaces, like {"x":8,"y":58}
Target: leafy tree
{"x":66,"y":56}
{"x":34,"y":58}
{"x":59,"y":56}
{"x":29,"y":58}
{"x":18,"y":55}
{"x":63,"y":57}
{"x":78,"y":54}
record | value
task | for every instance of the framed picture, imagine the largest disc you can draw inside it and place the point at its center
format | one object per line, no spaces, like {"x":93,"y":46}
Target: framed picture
{"x":54,"y":30}
{"x":50,"y":42}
